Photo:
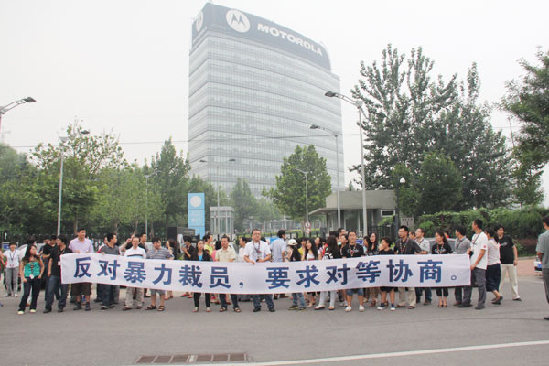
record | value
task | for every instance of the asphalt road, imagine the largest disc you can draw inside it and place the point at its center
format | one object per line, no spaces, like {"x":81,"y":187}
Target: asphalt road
{"x":444,"y":336}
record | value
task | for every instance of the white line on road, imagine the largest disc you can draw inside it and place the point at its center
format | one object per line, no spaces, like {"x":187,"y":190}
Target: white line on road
{"x":390,"y":354}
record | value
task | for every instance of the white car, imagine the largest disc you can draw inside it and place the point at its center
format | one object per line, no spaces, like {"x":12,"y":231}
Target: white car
{"x":537,"y":264}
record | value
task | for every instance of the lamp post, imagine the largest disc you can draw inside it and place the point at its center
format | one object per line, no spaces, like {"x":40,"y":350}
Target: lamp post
{"x":397,"y":224}
{"x":306,"y":174}
{"x":317,"y":127}
{"x":358,"y":105}
{"x":10,"y":106}
{"x":231,"y":160}
{"x":62,"y":140}
{"x":147,"y":203}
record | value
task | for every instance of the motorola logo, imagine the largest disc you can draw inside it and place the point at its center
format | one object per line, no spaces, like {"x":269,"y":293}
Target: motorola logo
{"x":199,"y":21}
{"x":238,"y":21}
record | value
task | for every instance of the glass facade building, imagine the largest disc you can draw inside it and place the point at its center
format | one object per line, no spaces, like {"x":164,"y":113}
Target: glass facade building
{"x":255,"y":89}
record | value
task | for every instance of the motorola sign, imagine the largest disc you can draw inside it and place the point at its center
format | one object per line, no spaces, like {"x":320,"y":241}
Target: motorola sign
{"x":236,"y":23}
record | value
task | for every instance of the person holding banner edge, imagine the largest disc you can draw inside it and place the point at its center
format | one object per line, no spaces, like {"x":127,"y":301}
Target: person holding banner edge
{"x":258,"y":251}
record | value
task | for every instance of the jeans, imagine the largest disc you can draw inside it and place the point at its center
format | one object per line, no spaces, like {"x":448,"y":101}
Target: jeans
{"x":107,"y":295}
{"x":34,"y":285}
{"x":56,"y":288}
{"x":458,"y":293}
{"x":428,"y":294}
{"x":11,"y":280}
{"x":298,"y":297}
{"x":478,"y":276}
{"x":268,"y":299}
{"x":196,"y":298}
{"x":223,"y":299}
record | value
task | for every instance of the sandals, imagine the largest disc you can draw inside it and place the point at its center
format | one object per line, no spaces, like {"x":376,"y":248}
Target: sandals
{"x":150,"y":307}
{"x":222,"y":309}
{"x":161,"y":308}
{"x":237,"y":310}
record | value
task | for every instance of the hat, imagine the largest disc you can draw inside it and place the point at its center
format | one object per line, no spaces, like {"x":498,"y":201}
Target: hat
{"x":292,"y":242}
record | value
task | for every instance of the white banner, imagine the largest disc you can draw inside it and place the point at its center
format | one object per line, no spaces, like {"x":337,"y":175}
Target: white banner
{"x":443,"y":270}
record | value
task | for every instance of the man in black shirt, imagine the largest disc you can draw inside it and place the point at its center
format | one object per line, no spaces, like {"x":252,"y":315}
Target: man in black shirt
{"x":353,"y":250}
{"x":405,"y":245}
{"x":509,"y":260}
{"x":54,"y":276}
{"x":49,"y":246}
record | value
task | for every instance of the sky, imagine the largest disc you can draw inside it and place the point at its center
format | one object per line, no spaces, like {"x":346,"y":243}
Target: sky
{"x":122,"y":66}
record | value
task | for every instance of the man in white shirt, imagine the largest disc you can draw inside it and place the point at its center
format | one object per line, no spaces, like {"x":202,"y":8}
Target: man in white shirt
{"x":12,"y":269}
{"x":479,"y":262}
{"x":135,"y":252}
{"x":258,"y":251}
{"x":81,"y":245}
{"x":425,"y":246}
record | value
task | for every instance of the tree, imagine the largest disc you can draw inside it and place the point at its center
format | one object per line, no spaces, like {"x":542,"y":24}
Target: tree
{"x":169,"y":176}
{"x":527,"y":100}
{"x":83,"y":158}
{"x":439,"y":184}
{"x":243,"y":202}
{"x":289,"y":194}
{"x":412,"y":113}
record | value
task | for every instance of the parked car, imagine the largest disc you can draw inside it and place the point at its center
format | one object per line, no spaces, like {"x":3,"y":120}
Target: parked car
{"x":537,"y":264}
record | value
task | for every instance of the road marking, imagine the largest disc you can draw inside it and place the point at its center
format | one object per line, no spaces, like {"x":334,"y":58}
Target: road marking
{"x":389,"y":354}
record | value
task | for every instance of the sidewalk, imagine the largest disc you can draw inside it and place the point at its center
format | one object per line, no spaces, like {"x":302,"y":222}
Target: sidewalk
{"x":525,"y":267}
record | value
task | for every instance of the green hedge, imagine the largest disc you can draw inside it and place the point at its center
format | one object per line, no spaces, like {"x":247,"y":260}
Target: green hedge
{"x":521,"y":223}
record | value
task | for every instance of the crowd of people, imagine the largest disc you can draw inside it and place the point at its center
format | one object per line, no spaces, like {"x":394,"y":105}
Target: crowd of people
{"x":492,"y":255}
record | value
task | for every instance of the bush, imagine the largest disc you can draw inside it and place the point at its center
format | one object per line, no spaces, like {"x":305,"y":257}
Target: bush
{"x":524,"y":223}
{"x":428,"y":227}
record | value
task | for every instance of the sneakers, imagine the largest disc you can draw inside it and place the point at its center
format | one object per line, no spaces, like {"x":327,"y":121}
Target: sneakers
{"x":361,"y":308}
{"x":348,"y":308}
{"x":393,"y":307}
{"x":88,"y":306}
{"x":256,"y":310}
{"x":293,"y":307}
{"x":272,"y":310}
{"x":33,"y":311}
{"x":78,"y":306}
{"x":381,"y":306}
{"x":301,"y":308}
{"x":20,"y":312}
{"x":516,"y":299}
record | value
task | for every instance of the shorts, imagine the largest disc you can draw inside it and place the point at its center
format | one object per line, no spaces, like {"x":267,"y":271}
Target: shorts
{"x":387,"y":289}
{"x":81,"y":289}
{"x":358,"y":291}
{"x":158,"y":292}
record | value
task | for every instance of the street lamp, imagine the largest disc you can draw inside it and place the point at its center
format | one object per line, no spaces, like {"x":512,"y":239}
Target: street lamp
{"x":397,"y":224}
{"x":358,"y":105}
{"x":306,"y":174}
{"x":10,"y":106}
{"x":217,"y":221}
{"x":147,"y":203}
{"x":335,"y":134}
{"x":62,"y":140}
